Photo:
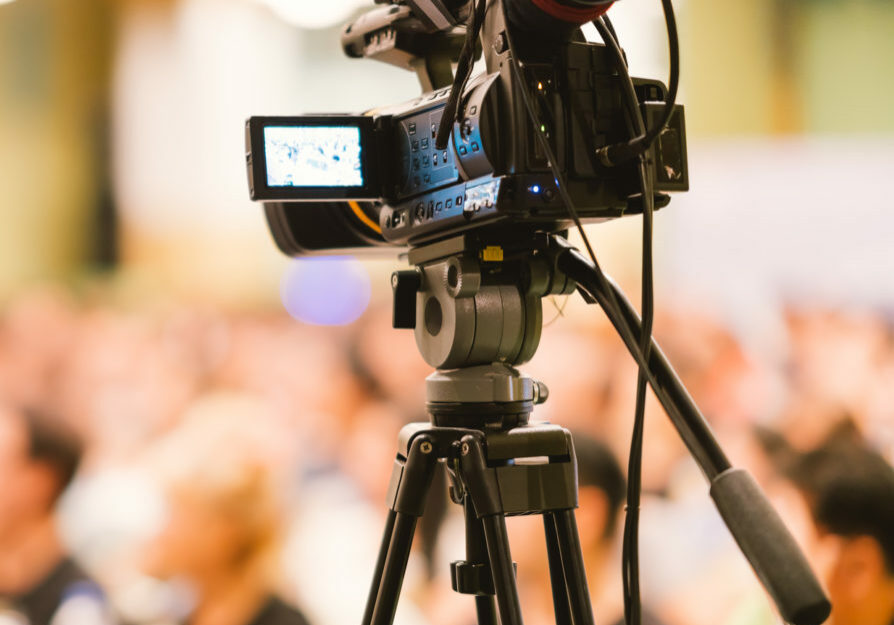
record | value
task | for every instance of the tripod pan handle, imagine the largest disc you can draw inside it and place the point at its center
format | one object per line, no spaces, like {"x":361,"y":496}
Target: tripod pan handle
{"x":770,"y":548}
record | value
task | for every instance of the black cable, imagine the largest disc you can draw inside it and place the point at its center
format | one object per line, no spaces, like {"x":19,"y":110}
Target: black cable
{"x":623,"y":327}
{"x":464,"y":67}
{"x":558,"y":178}
{"x":641,"y":350}
{"x":609,"y":302}
{"x":634,"y":478}
{"x":630,"y":553}
{"x":633,"y":612}
{"x":675,"y":399}
{"x":606,"y":21}
{"x":619,"y":153}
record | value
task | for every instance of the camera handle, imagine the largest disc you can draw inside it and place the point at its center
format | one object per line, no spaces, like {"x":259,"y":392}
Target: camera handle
{"x":755,"y":525}
{"x":406,"y":37}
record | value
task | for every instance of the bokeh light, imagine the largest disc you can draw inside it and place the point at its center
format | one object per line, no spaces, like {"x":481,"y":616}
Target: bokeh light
{"x":326,"y":291}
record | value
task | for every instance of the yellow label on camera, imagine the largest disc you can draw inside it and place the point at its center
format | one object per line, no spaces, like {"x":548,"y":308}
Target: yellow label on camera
{"x":492,"y":254}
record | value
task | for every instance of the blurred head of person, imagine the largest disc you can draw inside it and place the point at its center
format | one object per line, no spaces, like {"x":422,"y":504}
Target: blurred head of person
{"x":602,"y":490}
{"x":39,"y":456}
{"x":224,"y":511}
{"x":850,"y":491}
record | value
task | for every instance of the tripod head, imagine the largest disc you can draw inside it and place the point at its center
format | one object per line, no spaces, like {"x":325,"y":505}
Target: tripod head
{"x":475,"y":305}
{"x":475,"y":300}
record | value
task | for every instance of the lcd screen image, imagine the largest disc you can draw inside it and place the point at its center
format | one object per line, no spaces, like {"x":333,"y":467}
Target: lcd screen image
{"x":313,"y":156}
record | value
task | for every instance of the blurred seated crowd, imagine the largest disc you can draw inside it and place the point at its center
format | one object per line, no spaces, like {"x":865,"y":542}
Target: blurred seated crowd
{"x":166,"y":464}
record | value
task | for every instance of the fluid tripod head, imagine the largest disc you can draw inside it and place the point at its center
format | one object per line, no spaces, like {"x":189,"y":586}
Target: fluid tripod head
{"x":475,"y":306}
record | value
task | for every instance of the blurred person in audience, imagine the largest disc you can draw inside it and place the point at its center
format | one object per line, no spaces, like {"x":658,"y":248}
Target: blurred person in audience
{"x":603,"y":492}
{"x":221,"y":537}
{"x":126,"y":363}
{"x":292,"y":364}
{"x":39,"y":582}
{"x":389,"y":365}
{"x":849,"y":490}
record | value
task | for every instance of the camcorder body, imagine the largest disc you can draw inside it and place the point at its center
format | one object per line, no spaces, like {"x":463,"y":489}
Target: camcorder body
{"x":355,"y":183}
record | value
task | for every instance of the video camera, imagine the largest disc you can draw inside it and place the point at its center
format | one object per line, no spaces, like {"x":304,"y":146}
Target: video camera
{"x":348,"y":183}
{"x":479,"y":177}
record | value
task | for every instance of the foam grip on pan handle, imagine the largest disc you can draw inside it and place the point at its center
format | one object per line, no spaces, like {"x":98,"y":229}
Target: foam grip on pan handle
{"x":770,"y":548}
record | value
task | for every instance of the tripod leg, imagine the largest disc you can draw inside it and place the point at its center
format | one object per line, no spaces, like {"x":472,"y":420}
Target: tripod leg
{"x":556,"y":572}
{"x":573,"y":565}
{"x":485,"y":610}
{"x":412,"y":479}
{"x":476,"y":553}
{"x":481,"y":485}
{"x":380,"y":567}
{"x":502,"y":569}
{"x":394,"y":569}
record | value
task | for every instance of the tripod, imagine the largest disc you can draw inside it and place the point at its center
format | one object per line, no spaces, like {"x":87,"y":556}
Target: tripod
{"x":475,"y":306}
{"x":490,"y":479}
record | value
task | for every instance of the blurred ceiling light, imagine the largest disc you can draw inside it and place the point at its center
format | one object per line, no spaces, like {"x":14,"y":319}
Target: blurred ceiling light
{"x":314,"y":14}
{"x":6,"y":1}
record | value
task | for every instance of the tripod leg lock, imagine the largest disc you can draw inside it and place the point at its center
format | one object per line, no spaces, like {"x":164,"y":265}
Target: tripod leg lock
{"x":411,"y":478}
{"x":469,"y":578}
{"x":480,"y":480}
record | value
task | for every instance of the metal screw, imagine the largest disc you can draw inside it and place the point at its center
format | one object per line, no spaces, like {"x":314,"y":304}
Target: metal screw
{"x":465,"y":449}
{"x":541,"y":392}
{"x":425,"y":447}
{"x":500,"y":43}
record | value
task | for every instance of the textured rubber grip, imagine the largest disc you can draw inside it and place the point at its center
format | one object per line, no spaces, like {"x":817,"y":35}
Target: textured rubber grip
{"x":770,"y":548}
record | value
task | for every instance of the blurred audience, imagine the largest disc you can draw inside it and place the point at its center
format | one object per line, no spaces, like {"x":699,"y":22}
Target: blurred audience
{"x":39,"y":582}
{"x":132,"y":377}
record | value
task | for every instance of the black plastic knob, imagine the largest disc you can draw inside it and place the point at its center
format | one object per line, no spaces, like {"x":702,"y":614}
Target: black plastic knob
{"x":405,"y":285}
